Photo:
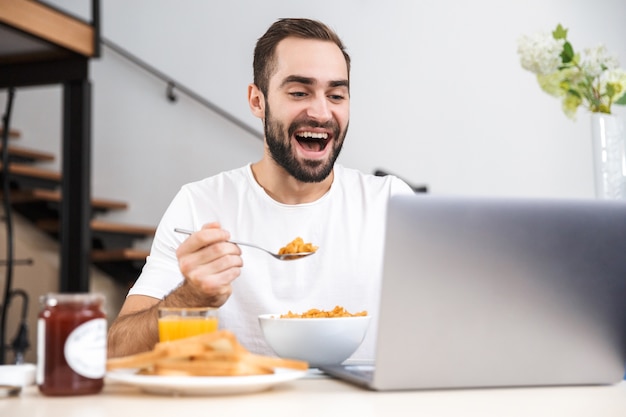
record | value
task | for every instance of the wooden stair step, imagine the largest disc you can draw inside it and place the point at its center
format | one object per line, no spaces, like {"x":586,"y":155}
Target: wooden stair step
{"x":13,"y":133}
{"x":21,"y":154}
{"x":100,"y":226}
{"x":33,"y":176}
{"x":104,"y":235}
{"x":54,"y":196}
{"x":124,"y":265}
{"x":121,"y":228}
{"x":119,"y":255}
{"x":26,"y":170}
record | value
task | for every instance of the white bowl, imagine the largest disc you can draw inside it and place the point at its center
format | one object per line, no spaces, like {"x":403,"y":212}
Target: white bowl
{"x":319,"y":341}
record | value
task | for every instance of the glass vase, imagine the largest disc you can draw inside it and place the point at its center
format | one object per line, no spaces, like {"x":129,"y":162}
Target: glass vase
{"x":609,"y":156}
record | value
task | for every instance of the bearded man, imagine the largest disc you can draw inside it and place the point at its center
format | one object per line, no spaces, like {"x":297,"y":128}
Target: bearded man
{"x":301,"y":93}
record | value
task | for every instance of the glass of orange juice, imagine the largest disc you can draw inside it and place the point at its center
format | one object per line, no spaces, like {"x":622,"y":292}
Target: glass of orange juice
{"x":180,"y":322}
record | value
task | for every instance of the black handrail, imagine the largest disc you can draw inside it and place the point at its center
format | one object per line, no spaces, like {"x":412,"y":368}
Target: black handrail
{"x":418,"y":188}
{"x":95,"y":23}
{"x":171,"y":84}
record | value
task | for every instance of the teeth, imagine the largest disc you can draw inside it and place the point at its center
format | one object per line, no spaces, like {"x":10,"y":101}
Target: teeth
{"x":313,"y":135}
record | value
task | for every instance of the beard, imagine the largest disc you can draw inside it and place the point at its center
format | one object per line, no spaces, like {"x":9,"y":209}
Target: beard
{"x":282,"y":152}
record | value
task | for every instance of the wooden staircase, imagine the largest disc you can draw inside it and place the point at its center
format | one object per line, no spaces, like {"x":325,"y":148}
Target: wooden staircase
{"x":36,"y":195}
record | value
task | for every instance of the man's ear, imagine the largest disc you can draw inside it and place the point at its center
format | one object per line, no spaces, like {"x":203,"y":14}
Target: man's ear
{"x":256,"y":101}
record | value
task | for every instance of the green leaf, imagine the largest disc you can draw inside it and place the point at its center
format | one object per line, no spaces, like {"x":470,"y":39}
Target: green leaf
{"x":568,"y":53}
{"x":622,"y":100}
{"x":574,"y":93}
{"x":610,"y":90}
{"x":560,"y":32}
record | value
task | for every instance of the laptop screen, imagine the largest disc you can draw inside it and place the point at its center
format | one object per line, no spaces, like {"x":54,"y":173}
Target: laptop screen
{"x":481,"y":292}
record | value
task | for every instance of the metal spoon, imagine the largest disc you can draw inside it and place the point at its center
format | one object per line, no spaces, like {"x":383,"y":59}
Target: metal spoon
{"x":282,"y":257}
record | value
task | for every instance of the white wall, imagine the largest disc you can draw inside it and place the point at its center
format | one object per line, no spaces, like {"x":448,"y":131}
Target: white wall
{"x":438,"y":95}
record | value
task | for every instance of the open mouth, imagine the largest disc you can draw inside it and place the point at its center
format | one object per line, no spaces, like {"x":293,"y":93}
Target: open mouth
{"x":313,"y":141}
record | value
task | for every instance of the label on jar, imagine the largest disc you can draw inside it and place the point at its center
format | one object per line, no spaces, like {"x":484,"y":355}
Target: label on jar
{"x":41,"y":350}
{"x":85,"y":349}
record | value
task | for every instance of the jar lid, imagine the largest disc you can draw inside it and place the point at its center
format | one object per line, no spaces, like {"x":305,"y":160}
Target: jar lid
{"x":52,"y":299}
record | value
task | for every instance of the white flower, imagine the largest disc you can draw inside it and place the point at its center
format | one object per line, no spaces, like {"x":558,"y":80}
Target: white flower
{"x":540,"y":53}
{"x":598,"y":60}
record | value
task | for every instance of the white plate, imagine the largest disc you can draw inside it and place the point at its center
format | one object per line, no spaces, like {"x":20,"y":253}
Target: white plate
{"x":203,"y":385}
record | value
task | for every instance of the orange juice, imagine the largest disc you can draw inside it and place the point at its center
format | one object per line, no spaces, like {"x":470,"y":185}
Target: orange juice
{"x":177,"y":323}
{"x":173,"y":327}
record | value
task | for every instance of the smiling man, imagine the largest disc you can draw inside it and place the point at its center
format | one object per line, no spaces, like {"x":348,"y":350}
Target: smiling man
{"x":301,"y":93}
{"x":309,"y":95}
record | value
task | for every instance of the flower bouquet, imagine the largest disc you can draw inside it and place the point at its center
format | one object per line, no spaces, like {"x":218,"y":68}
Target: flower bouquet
{"x":593,"y":80}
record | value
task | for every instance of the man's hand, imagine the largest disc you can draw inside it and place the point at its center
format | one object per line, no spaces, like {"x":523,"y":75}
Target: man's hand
{"x":210,"y":264}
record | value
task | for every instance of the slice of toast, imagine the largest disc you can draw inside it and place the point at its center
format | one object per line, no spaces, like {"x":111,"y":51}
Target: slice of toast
{"x":211,"y":354}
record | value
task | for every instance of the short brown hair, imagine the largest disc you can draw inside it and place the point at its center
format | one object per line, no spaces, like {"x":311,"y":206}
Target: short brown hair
{"x":265,"y":51}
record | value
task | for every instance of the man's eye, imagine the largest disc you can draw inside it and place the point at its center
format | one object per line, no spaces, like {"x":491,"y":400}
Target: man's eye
{"x":336,"y":97}
{"x":297,"y":94}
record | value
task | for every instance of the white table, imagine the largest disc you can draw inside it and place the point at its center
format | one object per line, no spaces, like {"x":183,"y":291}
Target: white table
{"x":323,"y":397}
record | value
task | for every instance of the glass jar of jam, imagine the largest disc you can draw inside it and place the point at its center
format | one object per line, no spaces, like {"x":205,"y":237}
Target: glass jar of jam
{"x":71,"y":344}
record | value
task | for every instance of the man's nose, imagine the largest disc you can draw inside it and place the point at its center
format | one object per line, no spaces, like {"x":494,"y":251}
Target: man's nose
{"x":319,"y":109}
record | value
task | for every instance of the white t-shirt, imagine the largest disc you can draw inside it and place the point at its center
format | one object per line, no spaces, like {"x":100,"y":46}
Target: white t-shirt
{"x":347,"y":224}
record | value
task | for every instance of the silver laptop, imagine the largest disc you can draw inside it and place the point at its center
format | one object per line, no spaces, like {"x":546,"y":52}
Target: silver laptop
{"x":496,"y":292}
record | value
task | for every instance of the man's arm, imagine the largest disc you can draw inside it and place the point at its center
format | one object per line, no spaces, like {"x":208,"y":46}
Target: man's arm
{"x":209,"y":265}
{"x":136,"y":328}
